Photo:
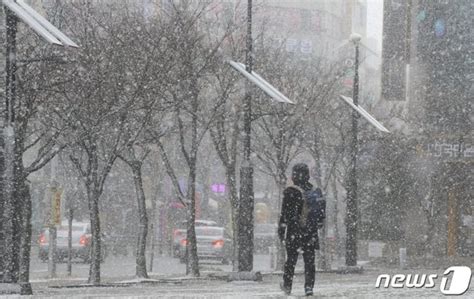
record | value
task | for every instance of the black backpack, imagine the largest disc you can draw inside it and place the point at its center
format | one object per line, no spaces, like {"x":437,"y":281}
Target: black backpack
{"x":313,"y":212}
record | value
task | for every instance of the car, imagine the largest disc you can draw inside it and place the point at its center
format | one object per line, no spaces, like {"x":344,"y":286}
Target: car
{"x":81,"y":242}
{"x":213,"y":243}
{"x":265,"y":235}
{"x":202,"y":222}
{"x":180,"y":232}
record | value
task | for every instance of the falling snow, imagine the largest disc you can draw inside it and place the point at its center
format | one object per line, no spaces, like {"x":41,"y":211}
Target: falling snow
{"x":147,"y":147}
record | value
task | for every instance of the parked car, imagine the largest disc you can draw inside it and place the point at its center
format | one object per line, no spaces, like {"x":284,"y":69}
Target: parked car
{"x":81,"y":242}
{"x":212,"y":243}
{"x":265,"y":235}
{"x":179,"y":233}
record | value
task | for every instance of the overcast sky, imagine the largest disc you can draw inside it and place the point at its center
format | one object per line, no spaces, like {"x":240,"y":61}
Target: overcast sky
{"x":375,"y":21}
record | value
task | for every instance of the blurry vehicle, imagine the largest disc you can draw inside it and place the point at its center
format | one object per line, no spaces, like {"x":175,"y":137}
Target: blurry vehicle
{"x":265,"y":235}
{"x":179,"y":233}
{"x":201,"y":222}
{"x":81,"y":242}
{"x":212,"y":243}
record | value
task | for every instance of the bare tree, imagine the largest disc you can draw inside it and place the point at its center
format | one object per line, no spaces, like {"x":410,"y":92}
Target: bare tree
{"x":283,"y":130}
{"x":108,"y":83}
{"x":134,"y":158}
{"x":195,"y":53}
{"x":134,"y":155}
{"x":225,"y":134}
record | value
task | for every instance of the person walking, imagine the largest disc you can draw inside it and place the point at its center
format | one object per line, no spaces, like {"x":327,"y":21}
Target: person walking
{"x":302,"y":213}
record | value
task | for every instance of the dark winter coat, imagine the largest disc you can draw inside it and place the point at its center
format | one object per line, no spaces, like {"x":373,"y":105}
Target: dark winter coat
{"x":292,"y":206}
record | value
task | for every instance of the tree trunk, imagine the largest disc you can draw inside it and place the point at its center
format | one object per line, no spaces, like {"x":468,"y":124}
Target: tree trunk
{"x":192,"y":265}
{"x":336,"y":215}
{"x":143,"y":222}
{"x":70,"y":218}
{"x":94,"y":270}
{"x":153,"y":223}
{"x":152,"y":236}
{"x":2,"y":206}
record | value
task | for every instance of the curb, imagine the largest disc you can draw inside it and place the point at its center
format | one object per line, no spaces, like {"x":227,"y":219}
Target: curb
{"x":222,"y":276}
{"x":20,"y":288}
{"x":237,"y":276}
{"x":119,"y":284}
{"x":342,"y":270}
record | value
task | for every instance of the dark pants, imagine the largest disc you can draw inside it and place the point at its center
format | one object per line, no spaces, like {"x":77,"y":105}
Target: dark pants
{"x":292,"y":247}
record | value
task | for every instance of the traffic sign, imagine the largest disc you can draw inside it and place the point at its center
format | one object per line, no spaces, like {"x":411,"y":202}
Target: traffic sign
{"x":56,"y":206}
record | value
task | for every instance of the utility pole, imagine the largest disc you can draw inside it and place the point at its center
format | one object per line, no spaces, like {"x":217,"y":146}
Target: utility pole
{"x":245,"y":220}
{"x":352,"y":210}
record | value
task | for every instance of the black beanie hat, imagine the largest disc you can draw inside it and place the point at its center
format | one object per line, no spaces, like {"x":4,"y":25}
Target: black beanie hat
{"x":300,"y":174}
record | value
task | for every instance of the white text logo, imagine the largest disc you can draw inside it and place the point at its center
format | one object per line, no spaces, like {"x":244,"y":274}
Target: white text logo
{"x":455,"y":280}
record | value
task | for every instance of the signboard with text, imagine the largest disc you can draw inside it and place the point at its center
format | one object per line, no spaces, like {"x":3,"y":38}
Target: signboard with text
{"x":56,"y":206}
{"x":218,"y":188}
{"x":446,"y":149}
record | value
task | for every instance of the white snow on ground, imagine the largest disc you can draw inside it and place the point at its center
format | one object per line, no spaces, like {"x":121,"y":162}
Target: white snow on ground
{"x":327,"y":286}
{"x":174,"y":284}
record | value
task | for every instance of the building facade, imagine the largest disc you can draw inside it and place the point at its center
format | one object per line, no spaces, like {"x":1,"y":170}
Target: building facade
{"x":427,"y":75}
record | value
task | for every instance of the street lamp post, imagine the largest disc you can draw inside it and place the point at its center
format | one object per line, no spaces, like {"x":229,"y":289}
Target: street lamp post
{"x":10,"y":232}
{"x":352,"y":210}
{"x":15,"y":11}
{"x":245,"y":225}
{"x":246,"y":203}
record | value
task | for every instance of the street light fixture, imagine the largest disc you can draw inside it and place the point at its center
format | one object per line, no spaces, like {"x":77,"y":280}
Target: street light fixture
{"x":266,"y":87}
{"x":355,"y":38}
{"x":365,"y":114}
{"x":38,"y":23}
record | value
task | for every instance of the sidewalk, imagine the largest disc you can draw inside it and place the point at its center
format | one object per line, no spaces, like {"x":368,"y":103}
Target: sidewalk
{"x":328,"y":285}
{"x":118,"y":281}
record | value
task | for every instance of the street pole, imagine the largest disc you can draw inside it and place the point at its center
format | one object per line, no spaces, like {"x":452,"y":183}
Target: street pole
{"x":10,"y":219}
{"x":245,"y":219}
{"x":352,"y":210}
{"x":10,"y":240}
